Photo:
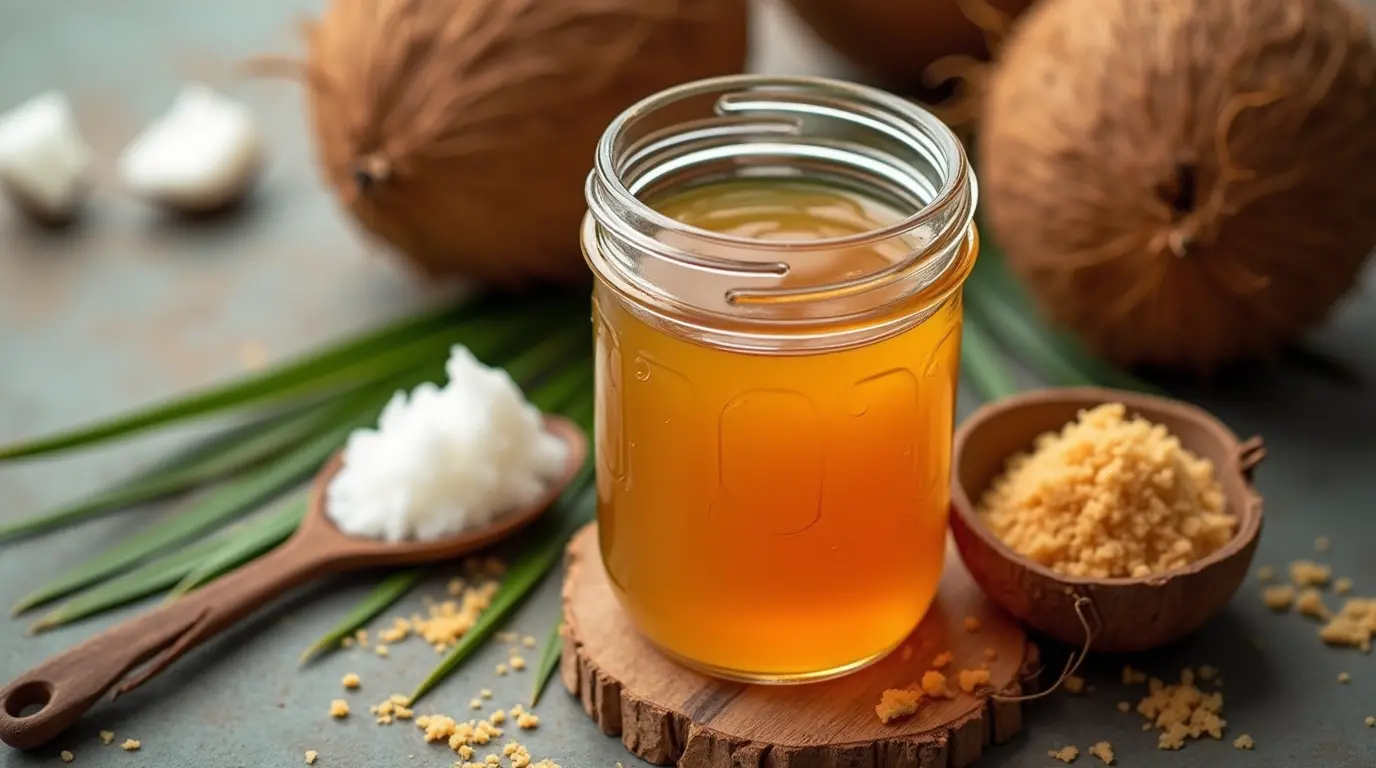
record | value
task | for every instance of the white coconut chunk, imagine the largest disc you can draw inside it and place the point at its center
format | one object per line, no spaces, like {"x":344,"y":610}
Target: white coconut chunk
{"x":45,"y":165}
{"x":205,"y":153}
{"x":445,"y":460}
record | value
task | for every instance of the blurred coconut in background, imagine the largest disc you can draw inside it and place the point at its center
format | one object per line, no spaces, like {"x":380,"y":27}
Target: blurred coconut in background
{"x":897,"y":41}
{"x":461,"y":131}
{"x":1184,"y":182}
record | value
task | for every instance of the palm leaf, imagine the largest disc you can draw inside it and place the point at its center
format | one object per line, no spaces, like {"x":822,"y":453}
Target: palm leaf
{"x":982,"y":363}
{"x":360,"y":360}
{"x":153,"y":576}
{"x":494,"y":335}
{"x":549,"y":661}
{"x":379,"y":599}
{"x":222,"y":504}
{"x":243,"y":548}
{"x":997,"y":299}
{"x":544,"y":546}
{"x":245,"y":449}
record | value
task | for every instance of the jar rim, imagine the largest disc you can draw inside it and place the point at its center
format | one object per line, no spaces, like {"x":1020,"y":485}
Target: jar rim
{"x":786,"y":128}
{"x":957,"y":180}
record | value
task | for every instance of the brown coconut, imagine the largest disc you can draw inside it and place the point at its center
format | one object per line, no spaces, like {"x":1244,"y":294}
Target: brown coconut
{"x":899,"y":40}
{"x":1184,"y":182}
{"x":462,"y":131}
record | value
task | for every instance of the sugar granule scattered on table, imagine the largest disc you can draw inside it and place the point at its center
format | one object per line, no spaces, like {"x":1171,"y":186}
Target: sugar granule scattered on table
{"x":1307,"y":573}
{"x":400,"y":630}
{"x":339,"y":708}
{"x":1278,"y":598}
{"x":1342,"y":586}
{"x":1310,"y":603}
{"x":350,"y":681}
{"x":1322,"y":544}
{"x":1353,"y":625}
{"x":131,"y":745}
{"x":1073,"y":684}
{"x":443,"y":460}
{"x":942,"y":659}
{"x":311,"y":755}
{"x":1370,"y":721}
{"x":518,"y":663}
{"x":1133,"y":677}
{"x":1124,"y":706}
{"x":1109,"y":497}
{"x":1344,"y":678}
{"x":1066,"y":754}
{"x":1244,"y":742}
{"x":971,"y":624}
{"x":66,"y":756}
{"x":107,"y":737}
{"x":1266,"y":573}
{"x":1182,"y":711}
{"x":1104,"y":751}
{"x":446,"y":622}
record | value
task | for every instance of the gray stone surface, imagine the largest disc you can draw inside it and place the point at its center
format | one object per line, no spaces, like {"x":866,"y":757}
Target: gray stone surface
{"x":128,"y":307}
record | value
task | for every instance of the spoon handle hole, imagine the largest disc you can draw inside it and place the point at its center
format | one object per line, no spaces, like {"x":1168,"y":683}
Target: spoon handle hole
{"x":28,"y":699}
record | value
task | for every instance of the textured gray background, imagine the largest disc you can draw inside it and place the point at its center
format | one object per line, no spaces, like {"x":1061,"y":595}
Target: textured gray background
{"x":127,"y":308}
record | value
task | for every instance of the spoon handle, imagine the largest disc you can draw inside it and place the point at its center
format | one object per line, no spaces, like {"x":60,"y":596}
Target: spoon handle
{"x":46,"y":700}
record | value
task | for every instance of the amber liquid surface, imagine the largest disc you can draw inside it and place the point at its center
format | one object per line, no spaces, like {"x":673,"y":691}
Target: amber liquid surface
{"x":775,"y":517}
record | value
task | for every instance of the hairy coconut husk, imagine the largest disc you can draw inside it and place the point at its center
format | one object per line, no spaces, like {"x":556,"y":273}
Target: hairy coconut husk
{"x":1184,"y":182}
{"x":461,"y":131}
{"x":899,"y":40}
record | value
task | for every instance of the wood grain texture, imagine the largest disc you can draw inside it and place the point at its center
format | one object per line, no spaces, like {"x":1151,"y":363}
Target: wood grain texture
{"x":667,"y":714}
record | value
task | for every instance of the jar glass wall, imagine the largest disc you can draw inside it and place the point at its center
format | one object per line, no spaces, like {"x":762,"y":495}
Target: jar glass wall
{"x":777,"y":312}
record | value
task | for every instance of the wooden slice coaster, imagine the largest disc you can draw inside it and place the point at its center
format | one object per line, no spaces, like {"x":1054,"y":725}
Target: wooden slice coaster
{"x":665,"y":713}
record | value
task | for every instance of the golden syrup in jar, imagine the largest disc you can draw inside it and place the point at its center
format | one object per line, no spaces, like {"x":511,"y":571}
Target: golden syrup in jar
{"x":776,"y":517}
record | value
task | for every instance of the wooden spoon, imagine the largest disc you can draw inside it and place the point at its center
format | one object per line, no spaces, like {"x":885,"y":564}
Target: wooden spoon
{"x":1122,"y":614}
{"x":45,"y":701}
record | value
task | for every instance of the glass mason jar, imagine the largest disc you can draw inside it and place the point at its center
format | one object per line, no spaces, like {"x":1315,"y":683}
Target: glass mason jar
{"x":777,"y":311}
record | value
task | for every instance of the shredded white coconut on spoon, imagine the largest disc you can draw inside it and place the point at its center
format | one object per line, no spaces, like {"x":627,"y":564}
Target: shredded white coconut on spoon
{"x":445,"y":460}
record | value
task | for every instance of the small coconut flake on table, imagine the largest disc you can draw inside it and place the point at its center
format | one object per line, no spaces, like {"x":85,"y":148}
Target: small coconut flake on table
{"x":444,"y":460}
{"x":203,"y":155}
{"x":45,"y":165}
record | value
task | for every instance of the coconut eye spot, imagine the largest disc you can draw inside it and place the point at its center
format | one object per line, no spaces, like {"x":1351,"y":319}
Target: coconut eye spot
{"x":1182,"y":190}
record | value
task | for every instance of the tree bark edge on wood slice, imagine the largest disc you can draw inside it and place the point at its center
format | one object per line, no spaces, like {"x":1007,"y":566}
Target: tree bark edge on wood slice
{"x":667,"y":714}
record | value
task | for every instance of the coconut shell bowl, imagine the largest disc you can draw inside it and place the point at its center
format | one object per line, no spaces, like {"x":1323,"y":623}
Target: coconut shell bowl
{"x":1112,"y":615}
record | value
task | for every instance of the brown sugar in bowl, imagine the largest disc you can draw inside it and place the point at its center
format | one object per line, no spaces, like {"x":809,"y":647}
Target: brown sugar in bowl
{"x":1124,"y":614}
